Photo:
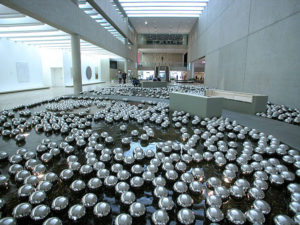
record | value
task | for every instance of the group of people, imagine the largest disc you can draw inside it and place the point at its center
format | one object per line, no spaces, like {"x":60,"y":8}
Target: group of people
{"x":122,"y":76}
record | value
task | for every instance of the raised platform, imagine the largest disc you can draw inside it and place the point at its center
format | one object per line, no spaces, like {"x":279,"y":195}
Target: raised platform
{"x":241,"y":102}
{"x":202,"y":106}
{"x":85,"y":84}
{"x":154,"y":84}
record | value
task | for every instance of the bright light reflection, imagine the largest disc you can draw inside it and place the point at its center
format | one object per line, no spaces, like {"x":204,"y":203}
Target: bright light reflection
{"x":163,"y":15}
{"x":162,"y":8}
{"x":181,"y":4}
{"x":154,"y":1}
{"x":163,"y":12}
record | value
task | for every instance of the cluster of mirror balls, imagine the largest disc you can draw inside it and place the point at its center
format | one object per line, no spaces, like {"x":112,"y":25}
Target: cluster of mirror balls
{"x":281,"y":113}
{"x":173,"y":165}
{"x":161,"y":93}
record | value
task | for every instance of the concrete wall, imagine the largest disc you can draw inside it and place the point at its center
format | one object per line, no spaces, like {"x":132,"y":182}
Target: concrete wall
{"x":155,"y":58}
{"x":251,"y":46}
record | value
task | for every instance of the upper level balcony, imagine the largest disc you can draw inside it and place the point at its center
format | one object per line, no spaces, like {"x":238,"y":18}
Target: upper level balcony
{"x":174,"y":40}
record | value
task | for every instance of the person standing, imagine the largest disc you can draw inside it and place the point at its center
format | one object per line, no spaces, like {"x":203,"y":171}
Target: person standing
{"x":120,"y":77}
{"x":124,"y":77}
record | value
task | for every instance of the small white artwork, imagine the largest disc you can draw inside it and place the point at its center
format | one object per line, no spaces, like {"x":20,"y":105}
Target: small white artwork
{"x":22,"y":72}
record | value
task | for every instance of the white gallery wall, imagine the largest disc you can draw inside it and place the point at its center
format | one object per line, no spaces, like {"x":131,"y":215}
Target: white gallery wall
{"x":20,"y":66}
{"x":251,"y":46}
{"x":94,"y":61}
{"x":25,"y":67}
{"x":51,"y":58}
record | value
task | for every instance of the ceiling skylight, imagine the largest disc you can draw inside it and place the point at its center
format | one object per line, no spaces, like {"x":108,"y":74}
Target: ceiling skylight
{"x":163,"y":8}
{"x":89,"y":10}
{"x":24,"y":29}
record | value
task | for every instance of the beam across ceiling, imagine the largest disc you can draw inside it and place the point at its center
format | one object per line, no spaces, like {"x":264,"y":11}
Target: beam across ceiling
{"x":60,"y":15}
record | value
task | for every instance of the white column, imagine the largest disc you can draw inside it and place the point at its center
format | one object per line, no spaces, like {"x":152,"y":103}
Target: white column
{"x":126,"y":66}
{"x":76,"y":63}
{"x":192,"y":69}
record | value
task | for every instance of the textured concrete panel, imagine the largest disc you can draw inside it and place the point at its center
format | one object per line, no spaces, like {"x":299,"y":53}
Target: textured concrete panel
{"x":266,"y":12}
{"x":235,"y":22}
{"x":212,"y":73}
{"x":215,"y":9}
{"x":251,"y":46}
{"x":273,"y":62}
{"x":232,"y":62}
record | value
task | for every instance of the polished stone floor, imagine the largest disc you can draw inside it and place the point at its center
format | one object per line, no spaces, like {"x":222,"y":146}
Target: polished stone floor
{"x":10,"y":100}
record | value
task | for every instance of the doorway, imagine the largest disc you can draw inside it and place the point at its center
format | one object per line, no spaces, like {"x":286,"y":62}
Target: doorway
{"x":199,"y":70}
{"x":57,"y":78}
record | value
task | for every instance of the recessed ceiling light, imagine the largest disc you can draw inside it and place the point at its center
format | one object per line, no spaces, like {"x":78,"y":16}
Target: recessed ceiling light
{"x":146,"y":22}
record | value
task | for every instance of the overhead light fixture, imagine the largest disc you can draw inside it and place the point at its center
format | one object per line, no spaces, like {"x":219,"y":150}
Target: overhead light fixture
{"x":158,"y":8}
{"x":146,"y":22}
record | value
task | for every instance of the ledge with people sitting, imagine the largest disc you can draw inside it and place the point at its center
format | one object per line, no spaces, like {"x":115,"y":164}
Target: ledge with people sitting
{"x":156,"y":82}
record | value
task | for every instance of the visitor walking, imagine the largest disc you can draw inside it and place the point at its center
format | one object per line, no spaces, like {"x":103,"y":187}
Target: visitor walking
{"x":124,"y":77}
{"x":119,"y":77}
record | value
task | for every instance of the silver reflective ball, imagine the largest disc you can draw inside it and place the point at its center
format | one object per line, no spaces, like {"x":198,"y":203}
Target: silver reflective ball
{"x":256,"y":193}
{"x":159,"y":181}
{"x":122,"y":187}
{"x":137,"y":209}
{"x":261,"y":184}
{"x":127,"y":197}
{"x":89,"y":200}
{"x":186,"y":216}
{"x":283,"y":220}
{"x":236,"y":216}
{"x":60,"y":203}
{"x":254,"y":216}
{"x":94,"y":183}
{"x":123,"y":175}
{"x":53,"y":221}
{"x":166,"y":203}
{"x":136,"y":182}
{"x":262,"y":206}
{"x":37,"y":197}
{"x":101,"y":209}
{"x":237,"y":192}
{"x":8,"y":221}
{"x":160,"y":217}
{"x":110,"y":181}
{"x":123,"y":219}
{"x":22,"y":210}
{"x":77,"y":185}
{"x":40,"y":212}
{"x":294,"y":207}
{"x":214,"y":214}
{"x":180,"y":187}
{"x":76,"y":212}
{"x":196,"y":187}
{"x":213,"y":182}
{"x":222,"y":192}
{"x":214,"y":200}
{"x":185,"y":200}
{"x":160,"y":192}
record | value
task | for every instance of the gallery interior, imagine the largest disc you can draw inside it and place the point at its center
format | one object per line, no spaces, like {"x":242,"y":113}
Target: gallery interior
{"x":149,"y":112}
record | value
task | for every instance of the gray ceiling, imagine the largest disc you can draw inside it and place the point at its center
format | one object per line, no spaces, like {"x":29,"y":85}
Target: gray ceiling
{"x":163,"y":25}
